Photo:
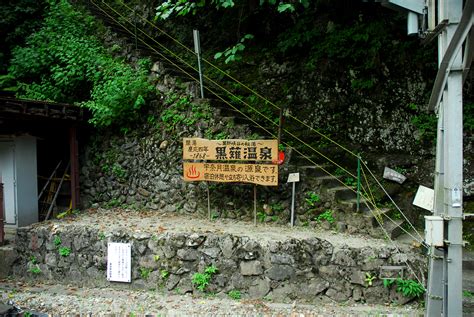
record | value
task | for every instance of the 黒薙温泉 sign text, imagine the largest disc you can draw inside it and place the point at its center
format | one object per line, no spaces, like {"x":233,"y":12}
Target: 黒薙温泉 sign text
{"x":230,"y":150}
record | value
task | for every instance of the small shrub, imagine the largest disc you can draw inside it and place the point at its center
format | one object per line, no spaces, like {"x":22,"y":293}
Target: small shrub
{"x":312,"y":198}
{"x":57,"y":241}
{"x":64,"y":251}
{"x":201,"y":280}
{"x":328,"y":215}
{"x":164,"y":274}
{"x":235,"y":294}
{"x":408,"y":288}
{"x":35,"y":270}
{"x":144,"y":273}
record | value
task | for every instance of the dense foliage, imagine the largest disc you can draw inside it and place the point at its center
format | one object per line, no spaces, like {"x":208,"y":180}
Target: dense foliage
{"x":65,"y":62}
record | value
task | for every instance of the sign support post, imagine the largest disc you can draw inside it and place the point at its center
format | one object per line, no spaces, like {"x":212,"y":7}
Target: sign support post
{"x":208,"y":202}
{"x":197,"y":49}
{"x":293,"y":178}
{"x":255,"y":205}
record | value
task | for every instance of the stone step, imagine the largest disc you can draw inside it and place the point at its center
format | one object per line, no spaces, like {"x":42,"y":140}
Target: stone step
{"x":468,"y":260}
{"x":312,"y":170}
{"x":393,"y":228}
{"x":351,"y":205}
{"x":329,"y":181}
{"x":342,"y":193}
{"x":371,"y":215}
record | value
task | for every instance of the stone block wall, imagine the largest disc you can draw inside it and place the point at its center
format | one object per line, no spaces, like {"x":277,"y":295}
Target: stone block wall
{"x":306,"y":270}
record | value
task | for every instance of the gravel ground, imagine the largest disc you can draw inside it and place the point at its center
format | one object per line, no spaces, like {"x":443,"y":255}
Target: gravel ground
{"x":154,"y":222}
{"x":62,"y":300}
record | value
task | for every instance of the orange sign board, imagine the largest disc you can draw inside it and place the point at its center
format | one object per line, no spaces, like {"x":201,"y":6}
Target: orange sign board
{"x":230,"y":150}
{"x":260,"y":174}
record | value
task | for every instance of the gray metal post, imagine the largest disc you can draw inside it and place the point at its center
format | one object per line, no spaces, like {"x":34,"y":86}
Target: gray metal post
{"x":197,"y":50}
{"x":293,"y":204}
{"x":448,"y":186}
{"x":436,"y":276}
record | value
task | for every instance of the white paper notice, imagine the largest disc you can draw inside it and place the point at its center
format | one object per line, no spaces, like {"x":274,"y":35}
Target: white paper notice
{"x":119,"y":258}
{"x":424,"y":198}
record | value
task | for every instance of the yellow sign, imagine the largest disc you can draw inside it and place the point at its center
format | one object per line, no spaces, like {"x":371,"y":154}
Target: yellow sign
{"x":230,"y":150}
{"x":260,"y":174}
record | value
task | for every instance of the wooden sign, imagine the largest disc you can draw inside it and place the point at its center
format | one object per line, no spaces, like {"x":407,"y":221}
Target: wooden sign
{"x":230,"y":150}
{"x":260,"y":174}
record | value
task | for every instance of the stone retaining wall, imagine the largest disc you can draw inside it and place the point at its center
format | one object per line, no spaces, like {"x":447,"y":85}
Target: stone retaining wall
{"x":305,"y":270}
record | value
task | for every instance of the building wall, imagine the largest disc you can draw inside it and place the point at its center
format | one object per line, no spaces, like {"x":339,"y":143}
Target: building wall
{"x":19,"y":174}
{"x":26,"y":180}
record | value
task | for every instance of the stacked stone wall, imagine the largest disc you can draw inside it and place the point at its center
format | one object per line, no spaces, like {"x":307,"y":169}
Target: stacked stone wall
{"x":307,"y":270}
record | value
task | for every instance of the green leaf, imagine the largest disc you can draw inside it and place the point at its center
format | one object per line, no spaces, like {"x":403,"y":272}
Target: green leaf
{"x":282,"y":7}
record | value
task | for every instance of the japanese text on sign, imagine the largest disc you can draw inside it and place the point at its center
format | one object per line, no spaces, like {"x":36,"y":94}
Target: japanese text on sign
{"x":238,"y":150}
{"x":261,"y":174}
{"x":119,"y":262}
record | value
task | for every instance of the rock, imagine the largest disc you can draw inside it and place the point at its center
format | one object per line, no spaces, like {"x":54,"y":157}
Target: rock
{"x":285,"y":292}
{"x":337,"y":295}
{"x":163,"y":145}
{"x":251,"y":268}
{"x":211,"y":252}
{"x":143,"y":192}
{"x":195,"y":240}
{"x":227,"y":246}
{"x":358,"y":277}
{"x":259,"y":288}
{"x":187,"y":254}
{"x":282,"y":259}
{"x":280,"y":272}
{"x":51,"y":260}
{"x":172,"y":281}
{"x":344,"y":258}
{"x":375,"y":295}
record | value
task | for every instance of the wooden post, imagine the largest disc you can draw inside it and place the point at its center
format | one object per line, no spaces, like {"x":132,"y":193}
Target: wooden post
{"x":74,"y":155}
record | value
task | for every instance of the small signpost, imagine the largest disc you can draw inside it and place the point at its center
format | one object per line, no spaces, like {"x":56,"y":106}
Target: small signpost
{"x":260,"y":159}
{"x":293,"y":178}
{"x":119,"y":258}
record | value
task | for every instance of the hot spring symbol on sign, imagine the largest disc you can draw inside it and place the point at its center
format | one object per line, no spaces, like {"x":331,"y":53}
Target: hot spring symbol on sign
{"x":192,"y":172}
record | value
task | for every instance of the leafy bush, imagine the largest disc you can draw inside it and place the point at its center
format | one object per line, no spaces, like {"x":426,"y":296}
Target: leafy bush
{"x":409,"y":288}
{"x":201,"y":280}
{"x":65,"y":62}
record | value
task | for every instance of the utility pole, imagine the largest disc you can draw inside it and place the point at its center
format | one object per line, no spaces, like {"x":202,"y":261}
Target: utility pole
{"x":444,"y":297}
{"x":452,"y":24}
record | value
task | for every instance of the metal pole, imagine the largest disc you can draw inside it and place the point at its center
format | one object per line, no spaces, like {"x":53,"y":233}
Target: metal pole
{"x":292,"y":220}
{"x":255,"y":205}
{"x":197,"y":50}
{"x":436,"y":272}
{"x":358,"y":183}
{"x":448,"y":187}
{"x":2,"y":232}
